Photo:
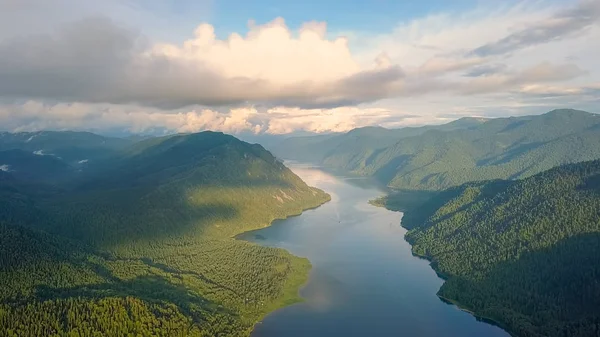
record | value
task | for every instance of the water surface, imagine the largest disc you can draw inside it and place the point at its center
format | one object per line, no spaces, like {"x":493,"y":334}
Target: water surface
{"x":364,"y":281}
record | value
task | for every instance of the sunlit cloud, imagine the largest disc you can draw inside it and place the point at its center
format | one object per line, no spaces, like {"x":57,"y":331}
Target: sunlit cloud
{"x":102,"y":73}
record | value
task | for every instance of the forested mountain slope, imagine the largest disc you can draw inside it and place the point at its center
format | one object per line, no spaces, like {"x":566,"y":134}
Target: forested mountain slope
{"x":70,"y":146}
{"x":343,"y":151}
{"x":524,"y":253}
{"x":144,"y":244}
{"x":465,"y":150}
{"x":33,"y":167}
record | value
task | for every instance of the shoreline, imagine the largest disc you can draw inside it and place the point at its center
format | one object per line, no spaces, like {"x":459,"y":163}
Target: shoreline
{"x":450,"y":301}
{"x":295,"y":287}
{"x":444,"y":278}
{"x":482,"y":318}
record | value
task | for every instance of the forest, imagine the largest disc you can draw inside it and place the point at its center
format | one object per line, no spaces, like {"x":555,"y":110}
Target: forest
{"x":437,"y":157}
{"x":141,"y":240}
{"x":523,"y":253}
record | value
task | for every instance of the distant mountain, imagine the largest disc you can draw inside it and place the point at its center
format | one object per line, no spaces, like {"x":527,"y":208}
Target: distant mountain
{"x":340,"y":151}
{"x":143,"y":243}
{"x":34,"y":167}
{"x":437,"y":157}
{"x":72,"y":147}
{"x":523,"y":253}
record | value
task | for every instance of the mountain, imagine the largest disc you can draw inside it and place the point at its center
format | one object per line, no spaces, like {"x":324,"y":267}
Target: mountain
{"x":33,"y":167}
{"x":523,"y":253}
{"x":340,"y":151}
{"x":143,"y":243}
{"x":438,"y":157}
{"x":70,"y":146}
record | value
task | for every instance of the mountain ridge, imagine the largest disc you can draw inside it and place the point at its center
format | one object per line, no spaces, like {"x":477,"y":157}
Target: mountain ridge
{"x":437,"y":157}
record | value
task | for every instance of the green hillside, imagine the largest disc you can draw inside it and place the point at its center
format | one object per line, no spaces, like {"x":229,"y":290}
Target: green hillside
{"x":143,"y":244}
{"x":524,"y":253}
{"x":345,"y":151}
{"x":434,"y":158}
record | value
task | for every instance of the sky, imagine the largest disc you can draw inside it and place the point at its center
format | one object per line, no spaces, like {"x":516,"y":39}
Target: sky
{"x":270,"y":67}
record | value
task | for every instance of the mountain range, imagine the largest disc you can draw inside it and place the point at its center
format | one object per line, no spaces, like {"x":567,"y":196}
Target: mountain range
{"x":136,"y":236}
{"x":469,"y":149}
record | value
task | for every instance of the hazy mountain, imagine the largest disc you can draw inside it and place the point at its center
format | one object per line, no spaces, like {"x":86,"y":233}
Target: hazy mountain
{"x":345,"y":147}
{"x":143,"y":243}
{"x":437,"y":157}
{"x":524,"y":253}
{"x":72,"y":147}
{"x":34,"y":167}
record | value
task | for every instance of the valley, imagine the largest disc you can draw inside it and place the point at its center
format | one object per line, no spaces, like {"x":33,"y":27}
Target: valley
{"x":299,"y":169}
{"x":172,"y":235}
{"x":496,"y":208}
{"x":364,"y":280}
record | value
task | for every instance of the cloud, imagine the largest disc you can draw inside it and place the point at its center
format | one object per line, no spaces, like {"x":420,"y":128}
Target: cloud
{"x":107,"y":73}
{"x":98,"y":61}
{"x":35,"y":115}
{"x":486,"y":70}
{"x":563,"y":24}
{"x":591,"y":91}
{"x":540,"y":73}
{"x":443,"y":65}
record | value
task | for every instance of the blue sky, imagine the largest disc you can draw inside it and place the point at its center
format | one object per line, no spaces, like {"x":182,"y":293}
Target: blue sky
{"x":310,"y":66}
{"x":341,"y":16}
{"x":366,"y":16}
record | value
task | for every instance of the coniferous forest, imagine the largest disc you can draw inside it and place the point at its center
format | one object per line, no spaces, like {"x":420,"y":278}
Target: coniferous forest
{"x":138,"y":238}
{"x":525,"y":253}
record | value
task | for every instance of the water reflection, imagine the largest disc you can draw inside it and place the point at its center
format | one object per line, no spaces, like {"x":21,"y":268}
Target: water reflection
{"x":364,"y":281}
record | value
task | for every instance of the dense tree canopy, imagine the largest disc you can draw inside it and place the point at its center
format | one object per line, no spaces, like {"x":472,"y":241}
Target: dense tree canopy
{"x":524,"y":253}
{"x":142,"y":242}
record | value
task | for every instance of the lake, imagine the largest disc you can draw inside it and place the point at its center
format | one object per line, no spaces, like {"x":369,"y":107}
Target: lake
{"x":364,"y":281}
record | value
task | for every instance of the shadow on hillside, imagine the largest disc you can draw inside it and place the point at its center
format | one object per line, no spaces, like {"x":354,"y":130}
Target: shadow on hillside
{"x":204,"y":279}
{"x":549,"y":292}
{"x":591,"y":184}
{"x":514,"y":125}
{"x":187,"y":175}
{"x":419,"y":216}
{"x":114,"y":220}
{"x":387,"y":172}
{"x":510,"y":154}
{"x":151,"y":288}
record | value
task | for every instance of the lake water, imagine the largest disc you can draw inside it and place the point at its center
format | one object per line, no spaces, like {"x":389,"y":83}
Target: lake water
{"x":364,"y":281}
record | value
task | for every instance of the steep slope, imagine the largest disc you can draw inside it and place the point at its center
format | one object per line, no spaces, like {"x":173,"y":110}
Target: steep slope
{"x":524,"y":253}
{"x":154,"y":231}
{"x":469,"y":150}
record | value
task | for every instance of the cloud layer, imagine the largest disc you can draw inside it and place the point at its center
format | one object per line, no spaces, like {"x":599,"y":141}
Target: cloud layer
{"x":100,"y":72}
{"x":95,"y":60}
{"x":34,"y":115}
